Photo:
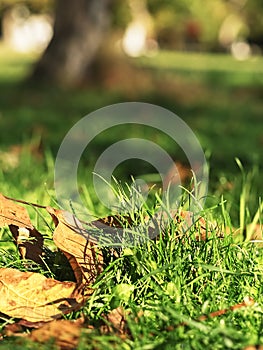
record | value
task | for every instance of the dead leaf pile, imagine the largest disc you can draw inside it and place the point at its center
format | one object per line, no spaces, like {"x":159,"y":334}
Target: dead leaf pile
{"x":66,"y":333}
{"x":38,"y":301}
{"x":31,"y":296}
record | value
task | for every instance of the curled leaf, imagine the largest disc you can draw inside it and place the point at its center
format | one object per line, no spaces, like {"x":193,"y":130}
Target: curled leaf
{"x":82,"y":253}
{"x":27,"y":238}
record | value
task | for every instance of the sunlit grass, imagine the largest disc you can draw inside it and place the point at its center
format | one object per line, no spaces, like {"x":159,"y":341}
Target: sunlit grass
{"x":13,"y":65}
{"x":207,"y":67}
{"x":165,"y":284}
{"x":205,"y":62}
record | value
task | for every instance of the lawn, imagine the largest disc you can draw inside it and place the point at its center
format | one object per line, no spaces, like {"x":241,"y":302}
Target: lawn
{"x":166,"y":284}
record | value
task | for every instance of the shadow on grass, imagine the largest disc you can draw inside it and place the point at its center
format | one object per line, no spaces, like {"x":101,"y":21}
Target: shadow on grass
{"x":224,"y":110}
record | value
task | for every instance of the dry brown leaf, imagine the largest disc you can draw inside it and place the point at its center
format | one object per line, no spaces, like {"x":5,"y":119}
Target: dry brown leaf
{"x":83,"y":255}
{"x":177,"y":175}
{"x":201,"y":226}
{"x":28,"y":239}
{"x":11,"y":158}
{"x":115,"y":321}
{"x":255,"y":232}
{"x":35,"y":298}
{"x":65,"y":333}
{"x":29,"y":242}
{"x":13,"y":214}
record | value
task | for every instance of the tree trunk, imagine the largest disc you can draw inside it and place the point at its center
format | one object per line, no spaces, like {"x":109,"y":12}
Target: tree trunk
{"x":79,"y":29}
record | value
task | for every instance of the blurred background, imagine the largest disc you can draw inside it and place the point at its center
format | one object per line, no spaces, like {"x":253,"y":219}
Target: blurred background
{"x":60,"y":60}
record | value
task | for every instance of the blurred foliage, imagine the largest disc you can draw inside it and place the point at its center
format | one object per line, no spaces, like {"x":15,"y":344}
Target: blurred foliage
{"x":190,"y":21}
{"x":253,"y":12}
{"x":200,"y":21}
{"x":121,"y":14}
{"x":184,"y":24}
{"x":36,"y":6}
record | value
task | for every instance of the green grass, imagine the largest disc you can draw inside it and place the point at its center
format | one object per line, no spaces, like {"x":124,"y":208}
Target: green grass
{"x":14,"y":65}
{"x":217,"y":69}
{"x":219,"y":98}
{"x":171,"y":280}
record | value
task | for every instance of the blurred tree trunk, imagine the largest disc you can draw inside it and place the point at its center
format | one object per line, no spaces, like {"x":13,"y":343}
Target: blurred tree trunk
{"x":79,"y":29}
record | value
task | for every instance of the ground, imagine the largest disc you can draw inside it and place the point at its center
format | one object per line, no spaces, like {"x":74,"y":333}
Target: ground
{"x":172,"y":281}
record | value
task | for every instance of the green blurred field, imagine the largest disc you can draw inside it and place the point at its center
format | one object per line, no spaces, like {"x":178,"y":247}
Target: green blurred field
{"x":220,"y":98}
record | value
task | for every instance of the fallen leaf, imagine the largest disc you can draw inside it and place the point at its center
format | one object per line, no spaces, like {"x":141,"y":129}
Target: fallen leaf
{"x":65,"y":333}
{"x":256,"y":231}
{"x":180,"y":173}
{"x":27,"y":238}
{"x":80,"y":249}
{"x":188,"y":220}
{"x":13,"y":214}
{"x":35,"y":298}
{"x":177,"y":175}
{"x":13,"y":329}
{"x":11,"y":158}
{"x":115,"y":321}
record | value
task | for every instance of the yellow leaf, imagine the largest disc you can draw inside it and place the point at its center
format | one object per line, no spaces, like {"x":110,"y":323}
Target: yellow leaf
{"x":28,"y":239}
{"x":33,"y":297}
{"x":84,"y":256}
